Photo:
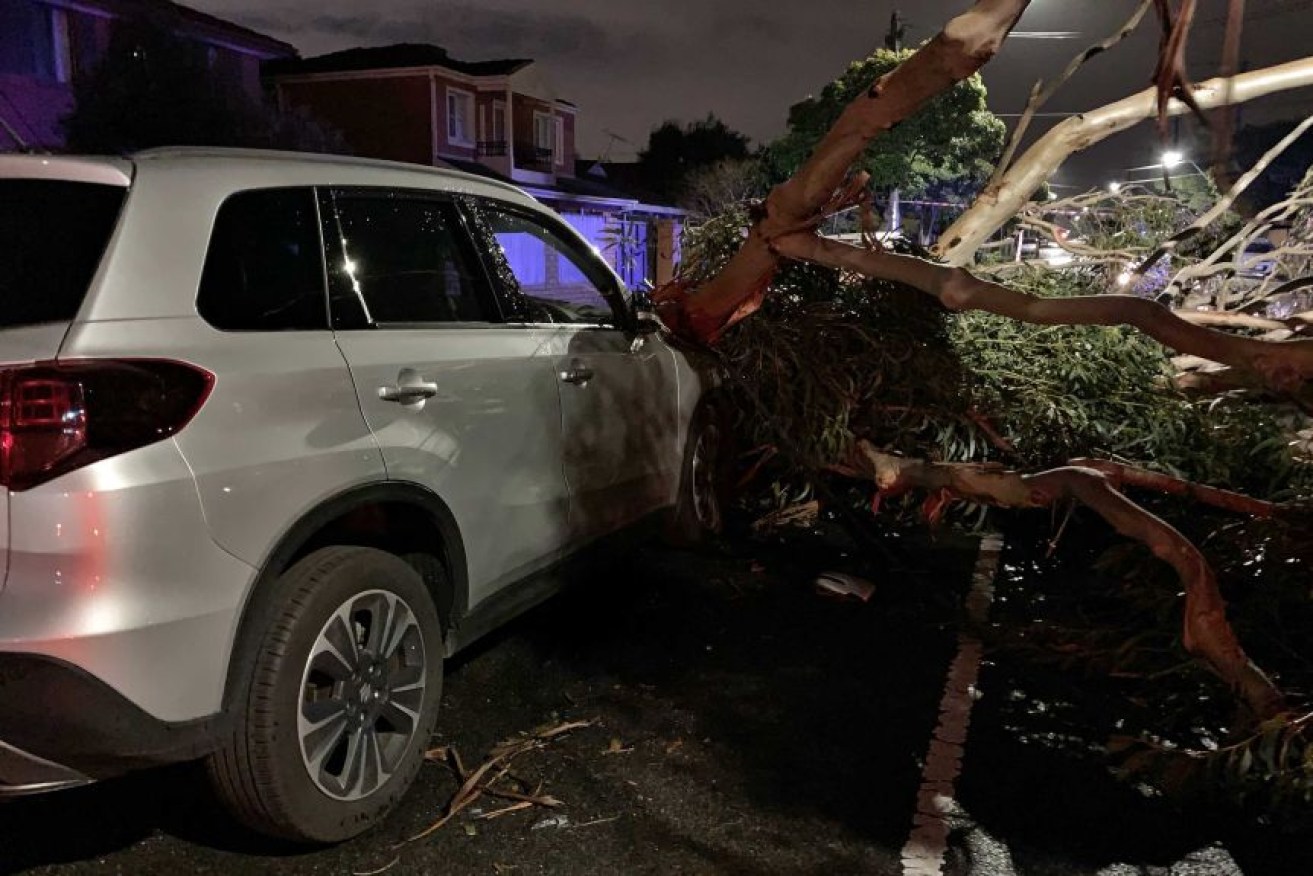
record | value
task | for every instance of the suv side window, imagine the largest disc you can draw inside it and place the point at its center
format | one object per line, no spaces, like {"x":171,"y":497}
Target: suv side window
{"x":559,"y":281}
{"x":264,"y":270}
{"x":396,"y":258}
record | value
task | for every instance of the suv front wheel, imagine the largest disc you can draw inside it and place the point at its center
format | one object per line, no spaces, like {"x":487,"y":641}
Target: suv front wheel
{"x":338,"y":710}
{"x":698,"y":516}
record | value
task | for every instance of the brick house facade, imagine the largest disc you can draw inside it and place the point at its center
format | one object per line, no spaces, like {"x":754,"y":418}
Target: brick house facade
{"x":46,"y":44}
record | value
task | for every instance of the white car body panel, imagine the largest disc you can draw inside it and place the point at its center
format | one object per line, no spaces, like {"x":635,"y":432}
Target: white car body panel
{"x":489,"y":443}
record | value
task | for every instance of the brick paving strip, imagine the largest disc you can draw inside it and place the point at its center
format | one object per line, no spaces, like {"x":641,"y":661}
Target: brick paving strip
{"x":923,"y":854}
{"x":937,"y":810}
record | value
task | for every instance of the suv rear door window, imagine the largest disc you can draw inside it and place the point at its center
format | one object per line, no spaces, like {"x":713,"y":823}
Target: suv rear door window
{"x":402,"y":259}
{"x":264,"y":269}
{"x":52,"y":236}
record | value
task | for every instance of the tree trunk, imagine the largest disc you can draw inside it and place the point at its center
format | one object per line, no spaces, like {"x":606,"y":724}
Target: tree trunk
{"x":999,"y":203}
{"x":961,"y":49}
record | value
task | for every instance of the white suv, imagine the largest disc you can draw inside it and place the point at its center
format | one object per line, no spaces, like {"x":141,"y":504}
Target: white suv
{"x":277,"y":434}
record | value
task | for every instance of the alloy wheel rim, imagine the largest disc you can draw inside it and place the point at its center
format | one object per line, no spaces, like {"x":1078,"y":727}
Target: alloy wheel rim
{"x":362,"y":691}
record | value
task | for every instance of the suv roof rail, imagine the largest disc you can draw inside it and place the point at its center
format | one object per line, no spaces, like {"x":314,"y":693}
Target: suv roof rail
{"x":233,"y":153}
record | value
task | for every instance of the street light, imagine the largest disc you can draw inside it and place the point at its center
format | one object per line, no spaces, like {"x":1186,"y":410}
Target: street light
{"x":1114,"y":187}
{"x":1173,"y":157}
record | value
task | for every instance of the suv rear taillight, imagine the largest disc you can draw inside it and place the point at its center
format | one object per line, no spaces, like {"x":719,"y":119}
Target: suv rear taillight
{"x":57,"y":417}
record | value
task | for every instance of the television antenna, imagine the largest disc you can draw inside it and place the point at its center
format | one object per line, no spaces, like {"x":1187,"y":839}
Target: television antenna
{"x":610,"y":144}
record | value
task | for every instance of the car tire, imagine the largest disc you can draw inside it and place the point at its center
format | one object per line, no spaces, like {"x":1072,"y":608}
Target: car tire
{"x":699,"y":514}
{"x":323,"y":746}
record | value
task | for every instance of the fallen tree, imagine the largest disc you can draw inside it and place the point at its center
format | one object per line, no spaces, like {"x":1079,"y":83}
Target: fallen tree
{"x":702,"y":308}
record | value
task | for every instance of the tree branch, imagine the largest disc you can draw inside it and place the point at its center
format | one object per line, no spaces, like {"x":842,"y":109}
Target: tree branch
{"x":1226,"y":201}
{"x":1227,"y":319}
{"x":995,"y":206}
{"x":1283,"y":365}
{"x":962,"y":48}
{"x":1042,"y":93}
{"x":1206,"y":632}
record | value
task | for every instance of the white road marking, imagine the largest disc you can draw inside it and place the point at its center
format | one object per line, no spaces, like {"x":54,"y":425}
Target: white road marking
{"x":923,"y":854}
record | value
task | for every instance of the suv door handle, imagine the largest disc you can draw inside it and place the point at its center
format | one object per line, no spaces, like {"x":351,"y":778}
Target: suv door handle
{"x":410,"y":389}
{"x":578,"y":373}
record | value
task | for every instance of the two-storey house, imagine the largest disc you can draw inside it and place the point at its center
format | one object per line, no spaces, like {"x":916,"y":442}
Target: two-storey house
{"x":499,"y":118}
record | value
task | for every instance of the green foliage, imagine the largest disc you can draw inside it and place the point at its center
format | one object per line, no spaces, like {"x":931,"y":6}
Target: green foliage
{"x":156,"y":89}
{"x":955,"y":137}
{"x":1057,"y":392}
{"x":830,"y":356}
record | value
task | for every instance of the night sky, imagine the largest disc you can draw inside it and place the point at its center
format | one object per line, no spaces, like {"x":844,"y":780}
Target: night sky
{"x":630,"y":65}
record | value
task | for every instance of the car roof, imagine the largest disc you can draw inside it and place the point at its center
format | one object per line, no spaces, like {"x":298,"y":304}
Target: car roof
{"x":100,"y":169}
{"x":260,"y":167}
{"x":334,"y":169}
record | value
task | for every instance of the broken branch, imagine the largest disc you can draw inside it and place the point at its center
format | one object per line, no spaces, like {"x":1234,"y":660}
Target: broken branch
{"x":961,"y":49}
{"x":1206,"y":633}
{"x":999,"y":203}
{"x":1284,"y":365}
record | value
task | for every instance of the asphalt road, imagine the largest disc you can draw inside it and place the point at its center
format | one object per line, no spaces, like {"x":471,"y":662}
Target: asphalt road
{"x":744,"y":725}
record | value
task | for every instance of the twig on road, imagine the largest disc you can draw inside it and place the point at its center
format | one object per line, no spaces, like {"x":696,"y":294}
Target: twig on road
{"x":495,"y":767}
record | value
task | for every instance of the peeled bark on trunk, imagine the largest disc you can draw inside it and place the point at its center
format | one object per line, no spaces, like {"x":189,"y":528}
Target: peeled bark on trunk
{"x":1283,"y":365}
{"x":961,"y":49}
{"x":996,"y":205}
{"x":1206,"y":633}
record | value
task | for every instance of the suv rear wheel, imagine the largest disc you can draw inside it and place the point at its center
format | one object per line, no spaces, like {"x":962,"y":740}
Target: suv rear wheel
{"x":341,"y":702}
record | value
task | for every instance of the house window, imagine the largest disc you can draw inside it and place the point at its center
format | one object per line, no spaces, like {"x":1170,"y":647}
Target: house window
{"x":460,"y":117}
{"x":558,"y":139}
{"x":544,"y":134}
{"x":499,"y":122}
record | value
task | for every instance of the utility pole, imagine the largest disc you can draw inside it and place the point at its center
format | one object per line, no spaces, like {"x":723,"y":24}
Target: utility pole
{"x":893,"y":41}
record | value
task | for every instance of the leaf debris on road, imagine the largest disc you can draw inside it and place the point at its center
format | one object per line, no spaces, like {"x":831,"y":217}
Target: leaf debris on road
{"x":496,"y":767}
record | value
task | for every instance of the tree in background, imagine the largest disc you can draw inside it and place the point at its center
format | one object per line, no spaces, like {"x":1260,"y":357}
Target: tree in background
{"x":157,"y":89}
{"x":707,"y":191}
{"x":954,"y":139}
{"x":674,"y":152}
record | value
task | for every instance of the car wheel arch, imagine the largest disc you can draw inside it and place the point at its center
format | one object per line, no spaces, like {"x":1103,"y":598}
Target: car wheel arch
{"x":343,"y":515}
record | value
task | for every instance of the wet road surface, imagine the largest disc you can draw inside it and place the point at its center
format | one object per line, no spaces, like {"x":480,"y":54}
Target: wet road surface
{"x":744,"y":725}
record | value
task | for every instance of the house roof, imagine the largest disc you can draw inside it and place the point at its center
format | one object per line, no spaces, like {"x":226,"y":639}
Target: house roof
{"x":178,"y":17}
{"x":395,"y":56}
{"x":580,"y":190}
{"x":623,"y":175}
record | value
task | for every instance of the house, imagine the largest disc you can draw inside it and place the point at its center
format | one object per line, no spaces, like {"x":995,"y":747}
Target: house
{"x":498,"y":118}
{"x":46,"y":44}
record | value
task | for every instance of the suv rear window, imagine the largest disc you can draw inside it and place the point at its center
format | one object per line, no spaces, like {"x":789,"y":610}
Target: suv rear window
{"x":264,"y":271}
{"x":52,"y":236}
{"x":405,"y":258}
